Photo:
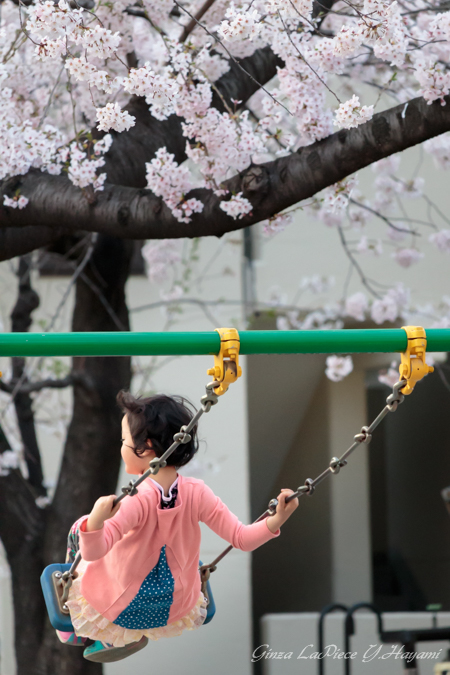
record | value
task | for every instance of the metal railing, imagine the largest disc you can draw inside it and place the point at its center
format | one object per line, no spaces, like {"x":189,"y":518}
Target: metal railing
{"x":198,"y":343}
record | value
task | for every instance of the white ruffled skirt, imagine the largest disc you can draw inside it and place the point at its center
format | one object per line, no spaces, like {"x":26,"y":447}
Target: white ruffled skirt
{"x":88,"y":623}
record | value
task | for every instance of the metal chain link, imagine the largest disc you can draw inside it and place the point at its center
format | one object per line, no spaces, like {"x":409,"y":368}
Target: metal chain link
{"x":336,"y":464}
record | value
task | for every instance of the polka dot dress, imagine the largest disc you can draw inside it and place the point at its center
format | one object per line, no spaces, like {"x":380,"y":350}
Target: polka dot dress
{"x":150,"y":608}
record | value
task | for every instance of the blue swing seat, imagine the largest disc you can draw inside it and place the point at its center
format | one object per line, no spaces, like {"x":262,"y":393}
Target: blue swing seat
{"x":61,"y":621}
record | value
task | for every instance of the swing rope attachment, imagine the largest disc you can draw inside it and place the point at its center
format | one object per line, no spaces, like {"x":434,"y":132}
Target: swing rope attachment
{"x":413,"y":368}
{"x":226,"y":363}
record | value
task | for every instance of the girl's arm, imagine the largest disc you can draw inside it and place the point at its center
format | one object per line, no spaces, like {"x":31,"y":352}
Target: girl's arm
{"x":105,"y":527}
{"x":214,"y":513}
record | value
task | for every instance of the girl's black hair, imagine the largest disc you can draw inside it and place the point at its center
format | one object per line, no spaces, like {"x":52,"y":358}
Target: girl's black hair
{"x":157,"y":418}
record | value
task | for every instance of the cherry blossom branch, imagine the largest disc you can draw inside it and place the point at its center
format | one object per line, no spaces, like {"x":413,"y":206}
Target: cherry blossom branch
{"x":260,"y":86}
{"x":187,"y":30}
{"x":133,"y":213}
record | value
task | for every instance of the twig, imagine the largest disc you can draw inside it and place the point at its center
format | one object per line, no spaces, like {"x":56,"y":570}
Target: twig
{"x":355,"y":264}
{"x":380,"y":215}
{"x":305,"y":61}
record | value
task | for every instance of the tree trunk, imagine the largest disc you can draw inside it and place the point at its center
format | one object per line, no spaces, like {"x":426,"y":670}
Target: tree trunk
{"x":91,"y":460}
{"x":27,"y":302}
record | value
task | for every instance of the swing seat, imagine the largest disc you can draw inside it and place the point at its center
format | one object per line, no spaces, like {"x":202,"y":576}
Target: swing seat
{"x":61,"y":621}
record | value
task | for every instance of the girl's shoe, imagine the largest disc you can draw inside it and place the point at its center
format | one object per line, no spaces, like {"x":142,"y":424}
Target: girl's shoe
{"x":71,"y":639}
{"x":102,"y":652}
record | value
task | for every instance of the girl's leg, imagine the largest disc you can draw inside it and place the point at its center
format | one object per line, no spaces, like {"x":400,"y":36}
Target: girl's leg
{"x":73,"y":545}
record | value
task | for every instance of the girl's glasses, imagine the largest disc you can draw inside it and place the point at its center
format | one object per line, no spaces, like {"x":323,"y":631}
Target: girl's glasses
{"x":128,"y":446}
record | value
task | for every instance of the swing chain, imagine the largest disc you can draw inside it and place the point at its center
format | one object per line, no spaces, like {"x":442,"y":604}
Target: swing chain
{"x":336,"y":463}
{"x":129,"y":490}
{"x":365,"y":436}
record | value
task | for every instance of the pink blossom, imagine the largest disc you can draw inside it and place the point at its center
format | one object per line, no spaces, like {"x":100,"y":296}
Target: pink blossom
{"x":172,"y":182}
{"x":356,"y":306}
{"x":160,"y":257}
{"x":384,"y":309}
{"x":16,"y":202}
{"x":441,"y":239}
{"x":276,"y":224}
{"x":239,"y":25}
{"x":112,"y":117}
{"x":338,"y":367}
{"x":236,"y":207}
{"x":439,"y":147}
{"x":407,"y":256}
{"x":351,"y":114}
{"x":391,"y":376}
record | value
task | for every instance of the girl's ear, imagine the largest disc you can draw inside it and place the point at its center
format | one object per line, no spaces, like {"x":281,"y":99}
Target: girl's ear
{"x":149,"y":450}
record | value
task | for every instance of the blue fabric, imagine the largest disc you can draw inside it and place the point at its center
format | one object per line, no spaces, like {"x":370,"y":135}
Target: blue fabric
{"x":151,"y":606}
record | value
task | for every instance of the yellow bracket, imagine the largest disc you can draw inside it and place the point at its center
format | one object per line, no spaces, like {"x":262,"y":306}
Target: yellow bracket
{"x":413,"y":366}
{"x":226,"y":363}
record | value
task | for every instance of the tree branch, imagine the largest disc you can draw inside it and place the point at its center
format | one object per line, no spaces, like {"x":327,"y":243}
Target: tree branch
{"x":49,"y":383}
{"x":15,"y":242}
{"x":137,"y":214}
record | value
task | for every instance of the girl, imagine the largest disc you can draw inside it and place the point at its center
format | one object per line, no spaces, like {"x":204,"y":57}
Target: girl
{"x":139,"y":578}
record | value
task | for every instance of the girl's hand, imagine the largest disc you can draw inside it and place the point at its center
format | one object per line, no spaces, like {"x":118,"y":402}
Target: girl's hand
{"x":284,"y":511}
{"x":103,"y":509}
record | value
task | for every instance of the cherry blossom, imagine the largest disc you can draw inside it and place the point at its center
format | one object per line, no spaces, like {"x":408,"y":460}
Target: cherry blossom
{"x":160,"y":256}
{"x":159,"y":89}
{"x":276,"y":224}
{"x":406,"y":257}
{"x":356,"y":306}
{"x":239,"y":25}
{"x":390,"y":376}
{"x":441,"y":239}
{"x":18,"y":202}
{"x":439,"y":148}
{"x":351,"y":113}
{"x":338,"y":367}
{"x":236,"y":207}
{"x":384,"y":309}
{"x":171,"y":182}
{"x":112,"y":117}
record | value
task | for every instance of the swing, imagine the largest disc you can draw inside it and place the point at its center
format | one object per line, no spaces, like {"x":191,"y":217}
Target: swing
{"x":57,"y":578}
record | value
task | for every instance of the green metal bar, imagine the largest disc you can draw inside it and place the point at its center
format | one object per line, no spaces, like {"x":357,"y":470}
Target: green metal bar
{"x":252,"y":342}
{"x":108,"y":344}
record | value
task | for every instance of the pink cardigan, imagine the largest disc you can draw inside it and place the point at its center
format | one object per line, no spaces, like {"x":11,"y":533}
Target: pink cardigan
{"x":128,"y":546}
